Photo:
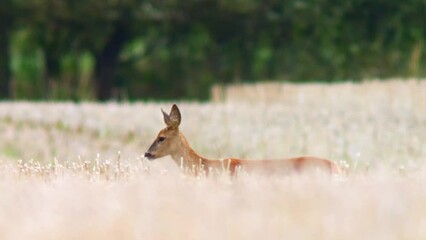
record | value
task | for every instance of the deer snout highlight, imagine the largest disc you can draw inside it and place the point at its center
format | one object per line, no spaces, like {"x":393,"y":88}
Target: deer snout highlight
{"x":149,"y":155}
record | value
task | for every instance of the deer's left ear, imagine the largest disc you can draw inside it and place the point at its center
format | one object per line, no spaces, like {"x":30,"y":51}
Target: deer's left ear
{"x":173,"y":119}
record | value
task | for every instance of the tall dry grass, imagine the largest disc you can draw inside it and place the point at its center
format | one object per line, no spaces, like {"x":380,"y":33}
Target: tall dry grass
{"x":393,"y":93}
{"x":75,"y":170}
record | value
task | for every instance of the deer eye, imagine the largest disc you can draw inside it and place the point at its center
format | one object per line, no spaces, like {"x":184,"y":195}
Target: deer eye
{"x":160,"y":139}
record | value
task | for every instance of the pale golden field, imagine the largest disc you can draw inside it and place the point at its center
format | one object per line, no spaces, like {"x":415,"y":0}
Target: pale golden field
{"x":75,"y":171}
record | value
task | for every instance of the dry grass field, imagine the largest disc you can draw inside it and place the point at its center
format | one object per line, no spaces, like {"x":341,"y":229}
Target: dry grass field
{"x":75,"y":171}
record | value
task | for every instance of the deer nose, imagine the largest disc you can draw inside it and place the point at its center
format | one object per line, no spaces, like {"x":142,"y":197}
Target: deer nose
{"x":149,"y":155}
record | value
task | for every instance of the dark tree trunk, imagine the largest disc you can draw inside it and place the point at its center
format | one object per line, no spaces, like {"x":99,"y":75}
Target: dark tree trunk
{"x":5,"y":74}
{"x":107,"y":61}
{"x":52,"y":73}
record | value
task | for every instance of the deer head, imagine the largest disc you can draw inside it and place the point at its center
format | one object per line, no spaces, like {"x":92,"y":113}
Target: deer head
{"x":167,"y":141}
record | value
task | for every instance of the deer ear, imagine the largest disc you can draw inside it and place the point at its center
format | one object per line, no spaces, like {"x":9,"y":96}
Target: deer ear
{"x":166,"y":118}
{"x":174,"y":118}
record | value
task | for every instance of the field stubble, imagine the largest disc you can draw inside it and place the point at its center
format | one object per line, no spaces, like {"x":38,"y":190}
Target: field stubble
{"x":75,"y":170}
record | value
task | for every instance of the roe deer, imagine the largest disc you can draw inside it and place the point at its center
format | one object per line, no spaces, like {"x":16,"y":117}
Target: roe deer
{"x":170,"y":141}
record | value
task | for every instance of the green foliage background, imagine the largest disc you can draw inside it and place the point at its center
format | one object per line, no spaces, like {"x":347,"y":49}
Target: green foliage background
{"x":162,"y":49}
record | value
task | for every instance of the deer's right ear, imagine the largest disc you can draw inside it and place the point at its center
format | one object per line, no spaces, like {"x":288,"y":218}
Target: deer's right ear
{"x":173,"y":119}
{"x":166,"y":118}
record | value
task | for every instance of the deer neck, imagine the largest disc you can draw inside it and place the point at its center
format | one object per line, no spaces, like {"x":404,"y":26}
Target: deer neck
{"x":185,"y":156}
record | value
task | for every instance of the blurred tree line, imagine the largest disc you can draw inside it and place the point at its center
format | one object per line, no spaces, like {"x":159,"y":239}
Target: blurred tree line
{"x":102,"y":49}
